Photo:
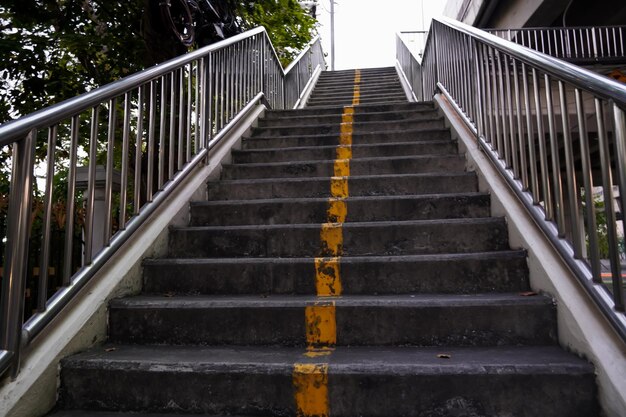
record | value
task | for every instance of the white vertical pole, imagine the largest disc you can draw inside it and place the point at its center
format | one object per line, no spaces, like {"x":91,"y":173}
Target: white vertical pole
{"x":332,"y":35}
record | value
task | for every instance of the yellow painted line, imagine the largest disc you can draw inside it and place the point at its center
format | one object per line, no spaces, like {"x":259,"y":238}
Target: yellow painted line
{"x":310,"y":381}
{"x":337,"y":210}
{"x":344,"y":152}
{"x":313,"y":352}
{"x":356,"y":96}
{"x":339,"y":187}
{"x":331,"y":237}
{"x":321,"y":324}
{"x":345,"y":134}
{"x":328,"y":277}
{"x":348,"y":115}
{"x":341,"y":168}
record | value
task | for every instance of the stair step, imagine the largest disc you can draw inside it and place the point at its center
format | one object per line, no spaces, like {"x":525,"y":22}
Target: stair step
{"x":364,"y":99}
{"x":331,"y":92}
{"x":264,"y":142}
{"x":360,"y":209}
{"x":368,"y":185}
{"x":366,"y":320}
{"x":361,"y":166}
{"x":89,"y":413}
{"x":520,"y":381}
{"x":309,"y":153}
{"x":361,"y":127}
{"x":358,"y":110}
{"x":349,"y":79}
{"x":348,"y":101}
{"x":359,"y":239}
{"x":311,"y":119}
{"x":465,"y":273}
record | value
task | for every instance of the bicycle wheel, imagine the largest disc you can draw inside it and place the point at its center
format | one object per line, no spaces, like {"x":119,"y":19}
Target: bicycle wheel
{"x":177,"y":17}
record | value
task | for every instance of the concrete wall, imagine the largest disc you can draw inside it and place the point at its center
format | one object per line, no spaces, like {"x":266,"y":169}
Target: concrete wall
{"x":505,"y":14}
{"x":582,"y":328}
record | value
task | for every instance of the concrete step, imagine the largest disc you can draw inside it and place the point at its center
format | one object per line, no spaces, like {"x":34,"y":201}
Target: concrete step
{"x":359,"y":127}
{"x":465,"y":273}
{"x":368,"y":185}
{"x":359,"y":239}
{"x":360,"y":209}
{"x":310,"y":153}
{"x":365,"y":78}
{"x":332,"y":91}
{"x":90,"y":413}
{"x":362,"y":166}
{"x":372,"y":381}
{"x":358,"y":110}
{"x":332,"y":139}
{"x":348,"y":90}
{"x":297,"y":119}
{"x":364,"y":99}
{"x":366,"y":320}
{"x":348,"y":101}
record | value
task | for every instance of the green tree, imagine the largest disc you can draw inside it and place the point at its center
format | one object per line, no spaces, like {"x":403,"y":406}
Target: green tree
{"x":289,"y":26}
{"x":57,"y":49}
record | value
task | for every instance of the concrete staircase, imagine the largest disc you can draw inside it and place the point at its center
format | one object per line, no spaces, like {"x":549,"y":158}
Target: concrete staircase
{"x":344,"y":265}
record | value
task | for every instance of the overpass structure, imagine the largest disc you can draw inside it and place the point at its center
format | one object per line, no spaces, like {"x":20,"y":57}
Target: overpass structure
{"x":427,"y":240}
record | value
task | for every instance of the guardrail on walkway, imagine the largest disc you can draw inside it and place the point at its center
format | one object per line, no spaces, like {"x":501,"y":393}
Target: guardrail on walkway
{"x":112,"y":156}
{"x":556,"y":132}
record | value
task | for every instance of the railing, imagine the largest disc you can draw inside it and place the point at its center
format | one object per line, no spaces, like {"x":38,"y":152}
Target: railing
{"x":556,"y":132}
{"x":298,"y":73}
{"x":600,"y":44}
{"x":109,"y":157}
{"x":409,"y":45}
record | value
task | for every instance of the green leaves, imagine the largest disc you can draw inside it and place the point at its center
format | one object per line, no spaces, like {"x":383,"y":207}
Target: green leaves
{"x":289,"y":26}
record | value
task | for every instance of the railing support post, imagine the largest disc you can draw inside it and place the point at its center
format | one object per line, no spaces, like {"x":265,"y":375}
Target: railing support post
{"x":16,"y":260}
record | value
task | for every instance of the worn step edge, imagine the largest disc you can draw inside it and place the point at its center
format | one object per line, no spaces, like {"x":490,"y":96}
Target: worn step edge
{"x":409,"y":319}
{"x":464,"y":273}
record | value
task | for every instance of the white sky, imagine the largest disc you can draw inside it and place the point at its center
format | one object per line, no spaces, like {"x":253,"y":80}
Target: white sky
{"x":365,"y":29}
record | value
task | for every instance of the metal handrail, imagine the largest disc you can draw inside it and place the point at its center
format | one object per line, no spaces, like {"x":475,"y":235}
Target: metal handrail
{"x":150,"y":131}
{"x":573,"y":43}
{"x":557,"y":134}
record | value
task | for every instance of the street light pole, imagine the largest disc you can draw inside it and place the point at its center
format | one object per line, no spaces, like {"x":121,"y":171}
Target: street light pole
{"x":332,"y":35}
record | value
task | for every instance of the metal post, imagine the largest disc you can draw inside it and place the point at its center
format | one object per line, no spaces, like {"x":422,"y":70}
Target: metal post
{"x":16,"y":261}
{"x":332,"y":35}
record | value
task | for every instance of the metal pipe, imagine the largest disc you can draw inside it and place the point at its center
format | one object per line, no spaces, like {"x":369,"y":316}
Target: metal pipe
{"x":16,"y":256}
{"x":557,"y":185}
{"x":609,"y":209}
{"x":42,"y":288}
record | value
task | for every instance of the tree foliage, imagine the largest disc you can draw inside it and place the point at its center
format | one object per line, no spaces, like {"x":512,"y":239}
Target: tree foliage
{"x":289,"y":26}
{"x":56,"y":49}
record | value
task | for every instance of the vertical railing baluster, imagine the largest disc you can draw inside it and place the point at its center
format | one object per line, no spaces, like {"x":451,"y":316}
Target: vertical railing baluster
{"x":125,"y":161}
{"x":16,"y":255}
{"x":577,"y":238}
{"x":557,"y":185}
{"x":47,"y":220}
{"x":108,"y":184}
{"x":609,"y":209}
{"x":587,"y":175}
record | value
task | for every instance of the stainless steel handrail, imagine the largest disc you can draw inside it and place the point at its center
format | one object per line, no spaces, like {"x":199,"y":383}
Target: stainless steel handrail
{"x":556,"y":132}
{"x":148,"y":131}
{"x":410,"y":64}
{"x":581,"y":44}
